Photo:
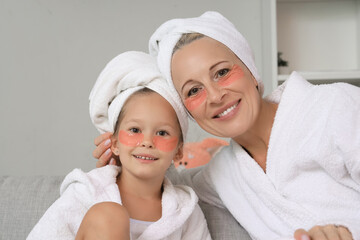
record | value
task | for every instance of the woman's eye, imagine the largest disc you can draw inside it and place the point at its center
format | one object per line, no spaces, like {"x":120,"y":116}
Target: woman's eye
{"x":222,"y":72}
{"x":193,"y":91}
{"x":162,"y":133}
{"x":134,"y":130}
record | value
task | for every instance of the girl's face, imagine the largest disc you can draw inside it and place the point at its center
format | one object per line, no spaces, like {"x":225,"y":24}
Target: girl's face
{"x":216,"y":87}
{"x":148,"y":136}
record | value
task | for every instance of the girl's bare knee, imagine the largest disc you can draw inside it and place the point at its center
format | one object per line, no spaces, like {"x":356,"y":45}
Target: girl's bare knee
{"x":106,"y":220}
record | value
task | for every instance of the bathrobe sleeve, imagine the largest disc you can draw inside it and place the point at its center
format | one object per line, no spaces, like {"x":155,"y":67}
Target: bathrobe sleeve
{"x":347,"y":125}
{"x":62,"y":219}
{"x":78,"y":192}
{"x":344,"y":130}
{"x":196,"y":226}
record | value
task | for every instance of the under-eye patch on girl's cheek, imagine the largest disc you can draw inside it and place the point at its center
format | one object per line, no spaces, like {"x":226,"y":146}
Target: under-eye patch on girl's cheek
{"x":235,"y":74}
{"x":165,"y":144}
{"x":195,"y":101}
{"x":130,"y":139}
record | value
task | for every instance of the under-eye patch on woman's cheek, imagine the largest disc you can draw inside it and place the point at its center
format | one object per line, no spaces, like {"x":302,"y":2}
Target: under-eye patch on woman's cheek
{"x":165,"y":144}
{"x":130,"y":139}
{"x":235,"y":74}
{"x":193,"y":102}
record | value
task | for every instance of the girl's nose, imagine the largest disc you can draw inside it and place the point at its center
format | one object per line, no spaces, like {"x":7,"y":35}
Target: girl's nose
{"x":147,"y":142}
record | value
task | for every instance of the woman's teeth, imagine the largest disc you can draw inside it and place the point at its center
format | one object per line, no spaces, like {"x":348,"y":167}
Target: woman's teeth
{"x":145,"y":158}
{"x":227,"y":110}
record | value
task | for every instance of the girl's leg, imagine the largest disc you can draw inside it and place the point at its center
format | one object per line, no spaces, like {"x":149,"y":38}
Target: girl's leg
{"x":105,"y":221}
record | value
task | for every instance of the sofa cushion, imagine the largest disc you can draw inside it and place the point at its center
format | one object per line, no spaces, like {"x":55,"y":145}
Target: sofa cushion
{"x":23,"y":201}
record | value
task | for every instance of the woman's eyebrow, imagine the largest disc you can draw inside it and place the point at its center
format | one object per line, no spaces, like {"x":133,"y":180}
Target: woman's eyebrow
{"x":186,"y":83}
{"x":213,"y":66}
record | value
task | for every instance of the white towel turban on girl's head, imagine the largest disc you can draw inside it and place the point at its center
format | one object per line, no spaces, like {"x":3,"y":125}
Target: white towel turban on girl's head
{"x":123,"y":76}
{"x":211,"y":24}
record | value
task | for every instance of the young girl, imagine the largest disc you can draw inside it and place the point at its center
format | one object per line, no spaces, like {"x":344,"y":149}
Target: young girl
{"x":136,"y":200}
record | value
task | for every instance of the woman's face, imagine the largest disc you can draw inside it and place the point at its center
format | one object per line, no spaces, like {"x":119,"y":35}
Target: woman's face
{"x":216,"y":87}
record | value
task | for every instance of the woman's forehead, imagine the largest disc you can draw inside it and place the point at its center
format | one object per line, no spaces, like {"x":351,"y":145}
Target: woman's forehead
{"x":201,"y":51}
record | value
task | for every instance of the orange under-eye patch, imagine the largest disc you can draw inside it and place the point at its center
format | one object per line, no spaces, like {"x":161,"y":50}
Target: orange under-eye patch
{"x":165,"y":144}
{"x":130,"y":139}
{"x":193,"y":102}
{"x":235,"y":74}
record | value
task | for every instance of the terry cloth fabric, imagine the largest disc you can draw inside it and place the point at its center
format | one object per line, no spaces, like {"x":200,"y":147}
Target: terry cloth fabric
{"x":312,"y":171}
{"x":211,"y":24}
{"x":121,"y":77}
{"x":181,"y":217}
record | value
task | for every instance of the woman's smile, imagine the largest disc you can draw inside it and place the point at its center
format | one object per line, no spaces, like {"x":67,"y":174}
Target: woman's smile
{"x":228,"y":112}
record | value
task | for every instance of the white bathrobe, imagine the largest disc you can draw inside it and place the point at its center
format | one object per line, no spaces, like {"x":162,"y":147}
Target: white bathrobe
{"x":313,"y":165}
{"x":181,"y":217}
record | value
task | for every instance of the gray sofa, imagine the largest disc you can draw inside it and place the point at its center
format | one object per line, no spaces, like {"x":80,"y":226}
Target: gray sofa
{"x":24,"y":200}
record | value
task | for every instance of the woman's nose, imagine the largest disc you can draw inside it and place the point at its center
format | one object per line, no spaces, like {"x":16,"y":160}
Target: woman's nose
{"x":215,"y":92}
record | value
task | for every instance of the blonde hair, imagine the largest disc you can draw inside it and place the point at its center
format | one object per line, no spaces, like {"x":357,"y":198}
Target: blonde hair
{"x":185,"y":39}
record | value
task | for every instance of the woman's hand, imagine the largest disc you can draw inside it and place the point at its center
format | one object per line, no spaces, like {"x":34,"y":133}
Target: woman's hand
{"x":327,"y":232}
{"x":102,"y":151}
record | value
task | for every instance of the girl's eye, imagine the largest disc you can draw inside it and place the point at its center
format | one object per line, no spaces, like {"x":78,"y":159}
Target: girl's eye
{"x":134,"y":130}
{"x":222,"y":73}
{"x":162,"y":133}
{"x":193,"y":91}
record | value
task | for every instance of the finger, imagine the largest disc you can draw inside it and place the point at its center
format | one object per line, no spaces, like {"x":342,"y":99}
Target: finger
{"x":112,"y":161}
{"x":344,"y":233}
{"x":102,"y":148}
{"x":104,"y":158}
{"x":331,"y":232}
{"x":316,"y":233}
{"x":102,"y":138}
{"x":301,"y":234}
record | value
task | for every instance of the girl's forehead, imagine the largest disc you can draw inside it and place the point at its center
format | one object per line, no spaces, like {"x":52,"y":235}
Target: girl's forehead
{"x":146,"y":105}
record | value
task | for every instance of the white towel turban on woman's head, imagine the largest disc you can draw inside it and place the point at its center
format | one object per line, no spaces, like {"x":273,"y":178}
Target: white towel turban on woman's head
{"x":123,"y":76}
{"x":211,"y":24}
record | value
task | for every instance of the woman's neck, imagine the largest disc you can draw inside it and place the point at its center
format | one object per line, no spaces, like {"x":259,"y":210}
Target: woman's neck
{"x":141,"y":197}
{"x":256,"y":139}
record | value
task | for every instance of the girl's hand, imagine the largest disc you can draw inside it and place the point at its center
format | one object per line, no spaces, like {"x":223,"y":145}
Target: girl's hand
{"x":102,"y":151}
{"x":327,"y":232}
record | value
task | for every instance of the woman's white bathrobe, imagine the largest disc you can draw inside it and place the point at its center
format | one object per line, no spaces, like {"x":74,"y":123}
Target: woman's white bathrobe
{"x":181,"y":217}
{"x":313,"y":165}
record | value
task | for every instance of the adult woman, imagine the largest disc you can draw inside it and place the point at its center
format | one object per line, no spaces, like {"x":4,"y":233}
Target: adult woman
{"x":287,"y":151}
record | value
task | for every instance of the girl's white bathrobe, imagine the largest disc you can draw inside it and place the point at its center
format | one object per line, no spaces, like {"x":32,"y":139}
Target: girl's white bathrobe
{"x":181,"y":217}
{"x":312,"y":171}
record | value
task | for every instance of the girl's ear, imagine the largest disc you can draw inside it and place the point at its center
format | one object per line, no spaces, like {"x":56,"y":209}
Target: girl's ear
{"x":114,"y":147}
{"x":179,"y":155}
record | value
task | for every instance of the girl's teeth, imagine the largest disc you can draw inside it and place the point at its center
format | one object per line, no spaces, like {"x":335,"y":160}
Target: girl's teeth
{"x":145,"y":158}
{"x":228,"y":110}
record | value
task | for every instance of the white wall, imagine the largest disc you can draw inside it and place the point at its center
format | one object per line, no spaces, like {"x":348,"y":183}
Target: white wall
{"x":51,"y":54}
{"x":319,"y":35}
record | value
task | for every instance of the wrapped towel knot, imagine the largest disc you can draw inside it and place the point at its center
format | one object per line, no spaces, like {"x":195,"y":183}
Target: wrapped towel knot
{"x":123,"y":76}
{"x":211,"y":24}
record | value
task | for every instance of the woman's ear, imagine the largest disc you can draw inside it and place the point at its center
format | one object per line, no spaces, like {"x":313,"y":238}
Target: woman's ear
{"x":114,"y":145}
{"x":180,"y":153}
